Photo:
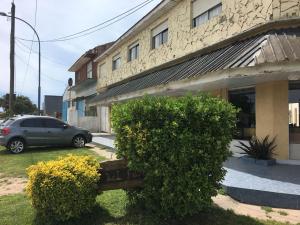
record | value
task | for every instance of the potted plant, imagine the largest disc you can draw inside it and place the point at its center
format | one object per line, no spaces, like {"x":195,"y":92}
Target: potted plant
{"x":259,"y":151}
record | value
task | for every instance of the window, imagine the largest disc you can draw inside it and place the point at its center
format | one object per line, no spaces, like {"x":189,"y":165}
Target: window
{"x":160,"y":35}
{"x":7,"y":122}
{"x":116,"y":63}
{"x":91,"y":111}
{"x":202,"y":11}
{"x":133,"y":52}
{"x":52,"y":123}
{"x":32,"y":123}
{"x":244,"y":99}
{"x":89,"y":70}
{"x":294,"y":113}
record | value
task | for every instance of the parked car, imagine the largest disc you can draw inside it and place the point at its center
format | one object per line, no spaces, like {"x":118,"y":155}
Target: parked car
{"x":19,"y":132}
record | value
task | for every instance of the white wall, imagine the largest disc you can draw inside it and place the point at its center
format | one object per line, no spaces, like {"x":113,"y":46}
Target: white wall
{"x":90,"y":123}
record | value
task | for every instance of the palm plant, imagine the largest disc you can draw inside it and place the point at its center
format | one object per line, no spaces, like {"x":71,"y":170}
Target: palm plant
{"x":259,"y":149}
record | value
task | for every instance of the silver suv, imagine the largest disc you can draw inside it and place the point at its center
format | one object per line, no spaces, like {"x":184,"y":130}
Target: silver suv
{"x":19,"y":132}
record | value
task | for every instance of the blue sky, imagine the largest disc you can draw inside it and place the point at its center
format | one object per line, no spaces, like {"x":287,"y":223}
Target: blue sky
{"x":57,"y":18}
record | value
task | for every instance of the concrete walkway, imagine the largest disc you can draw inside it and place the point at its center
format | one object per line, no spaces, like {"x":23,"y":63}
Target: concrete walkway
{"x":104,"y":140}
{"x":275,"y":186}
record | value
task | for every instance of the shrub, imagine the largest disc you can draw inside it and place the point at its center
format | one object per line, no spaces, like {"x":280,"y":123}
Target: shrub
{"x":64,"y":188}
{"x":179,"y":144}
{"x":259,"y":149}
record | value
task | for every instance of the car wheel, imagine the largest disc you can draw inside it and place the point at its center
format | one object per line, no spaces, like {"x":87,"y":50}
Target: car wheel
{"x":16,"y":145}
{"x":78,"y":141}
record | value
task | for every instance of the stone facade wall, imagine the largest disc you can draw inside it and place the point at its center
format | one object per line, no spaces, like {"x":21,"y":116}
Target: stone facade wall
{"x":286,"y":8}
{"x":236,"y":16}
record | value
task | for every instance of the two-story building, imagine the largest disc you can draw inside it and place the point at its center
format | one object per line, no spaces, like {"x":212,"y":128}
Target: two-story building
{"x":246,"y":52}
{"x":76,"y":106}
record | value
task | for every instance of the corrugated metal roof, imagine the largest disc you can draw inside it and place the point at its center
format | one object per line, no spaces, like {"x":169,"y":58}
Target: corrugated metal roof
{"x":272,"y":47}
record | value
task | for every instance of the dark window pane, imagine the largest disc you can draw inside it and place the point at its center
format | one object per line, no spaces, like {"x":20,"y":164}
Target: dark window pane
{"x":32,"y":123}
{"x":52,"y":123}
{"x":244,"y":100}
{"x":165,"y":36}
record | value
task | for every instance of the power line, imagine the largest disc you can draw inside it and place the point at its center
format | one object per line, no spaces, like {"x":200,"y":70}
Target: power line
{"x":114,"y":20}
{"x":45,"y":75}
{"x":22,"y":46}
{"x":30,"y":50}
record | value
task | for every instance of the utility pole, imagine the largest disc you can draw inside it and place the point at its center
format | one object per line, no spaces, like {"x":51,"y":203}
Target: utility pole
{"x":12,"y":61}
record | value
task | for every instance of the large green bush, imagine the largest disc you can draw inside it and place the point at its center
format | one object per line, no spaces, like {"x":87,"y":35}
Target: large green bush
{"x":63,"y":188}
{"x":179,"y":144}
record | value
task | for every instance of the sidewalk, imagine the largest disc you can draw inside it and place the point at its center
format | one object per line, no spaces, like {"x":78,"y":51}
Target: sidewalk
{"x":103,"y":139}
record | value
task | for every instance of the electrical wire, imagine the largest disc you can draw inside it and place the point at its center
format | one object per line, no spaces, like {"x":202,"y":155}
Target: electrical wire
{"x":22,"y":46}
{"x":30,"y":50}
{"x":114,"y":20}
{"x":44,"y":75}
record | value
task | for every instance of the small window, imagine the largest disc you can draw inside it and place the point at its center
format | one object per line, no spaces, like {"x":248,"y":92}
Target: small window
{"x":52,"y":123}
{"x":159,"y":35}
{"x":91,"y":111}
{"x":160,"y":39}
{"x":89,"y":69}
{"x":32,"y":123}
{"x":116,"y":63}
{"x":202,"y":11}
{"x":133,"y":52}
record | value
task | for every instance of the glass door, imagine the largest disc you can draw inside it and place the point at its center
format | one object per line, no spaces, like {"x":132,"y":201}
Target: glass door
{"x":294,"y":120}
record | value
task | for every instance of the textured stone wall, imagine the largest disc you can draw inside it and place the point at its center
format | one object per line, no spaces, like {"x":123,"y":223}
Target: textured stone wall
{"x":286,"y":8}
{"x":237,"y":16}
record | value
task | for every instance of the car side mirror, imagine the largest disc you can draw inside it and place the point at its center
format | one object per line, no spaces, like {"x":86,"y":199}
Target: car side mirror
{"x":65,"y":126}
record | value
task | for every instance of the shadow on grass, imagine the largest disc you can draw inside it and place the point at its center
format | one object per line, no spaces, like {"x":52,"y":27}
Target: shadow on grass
{"x":43,"y":149}
{"x":101,"y":216}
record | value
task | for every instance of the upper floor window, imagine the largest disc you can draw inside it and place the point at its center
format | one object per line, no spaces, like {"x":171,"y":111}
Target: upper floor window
{"x":133,"y":52}
{"x":160,"y":35}
{"x":202,"y":11}
{"x":116,"y":63}
{"x":89,"y":70}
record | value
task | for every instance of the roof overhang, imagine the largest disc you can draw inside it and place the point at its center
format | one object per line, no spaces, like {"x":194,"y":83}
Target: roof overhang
{"x":80,"y":62}
{"x":160,"y":10}
{"x":229,"y":78}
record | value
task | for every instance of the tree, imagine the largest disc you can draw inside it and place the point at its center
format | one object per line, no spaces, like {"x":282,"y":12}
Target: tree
{"x":22,"y":105}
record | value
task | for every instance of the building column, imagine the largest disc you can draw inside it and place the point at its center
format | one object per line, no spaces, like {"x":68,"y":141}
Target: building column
{"x":272,"y":115}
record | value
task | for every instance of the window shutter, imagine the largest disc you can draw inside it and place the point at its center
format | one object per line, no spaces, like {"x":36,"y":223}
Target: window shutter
{"x":201,"y":6}
{"x":133,"y":45}
{"x":160,"y":28}
{"x":116,"y":57}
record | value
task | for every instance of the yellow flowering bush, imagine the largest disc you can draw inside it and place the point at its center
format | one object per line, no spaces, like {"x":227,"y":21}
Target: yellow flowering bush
{"x":63,"y":188}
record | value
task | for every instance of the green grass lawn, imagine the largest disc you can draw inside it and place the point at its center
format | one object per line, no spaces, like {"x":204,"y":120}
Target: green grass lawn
{"x":111,"y":209}
{"x":14,"y":165}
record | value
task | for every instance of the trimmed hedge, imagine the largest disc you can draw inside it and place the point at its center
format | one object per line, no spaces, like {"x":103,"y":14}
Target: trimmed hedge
{"x":179,"y":144}
{"x":64,"y":188}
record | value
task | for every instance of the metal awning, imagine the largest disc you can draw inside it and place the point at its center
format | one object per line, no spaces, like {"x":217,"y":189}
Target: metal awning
{"x":271,"y":47}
